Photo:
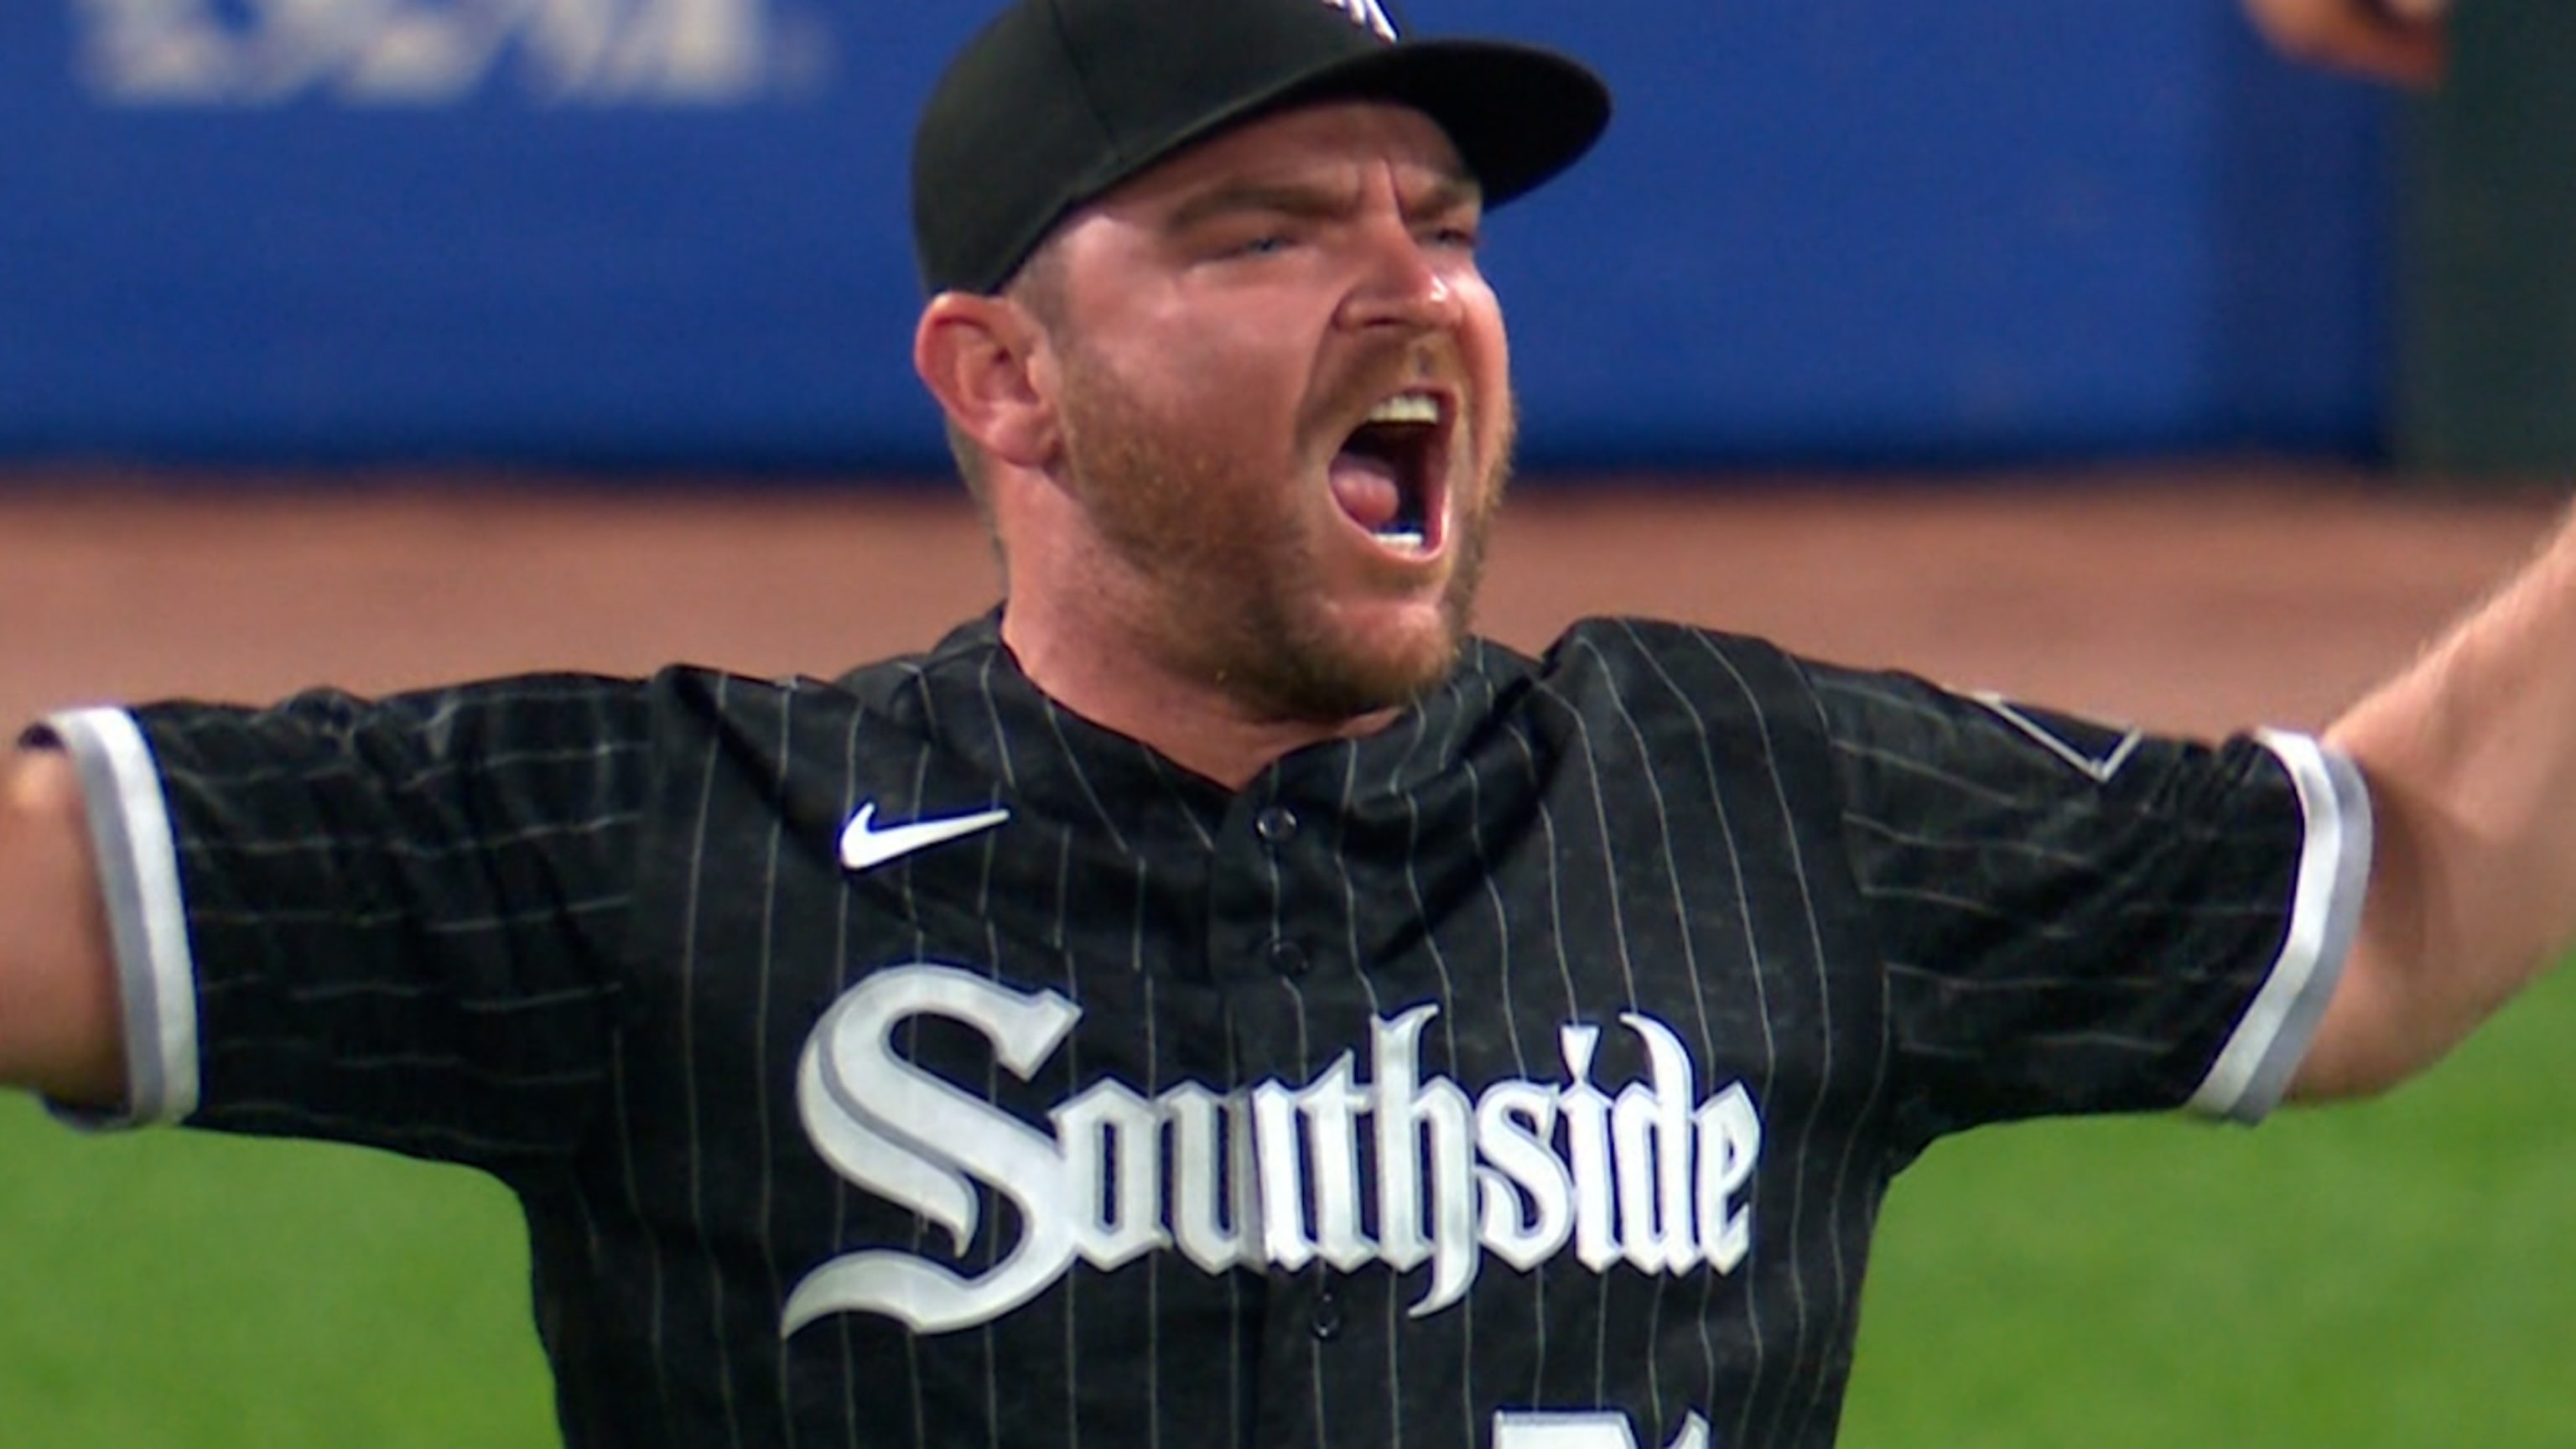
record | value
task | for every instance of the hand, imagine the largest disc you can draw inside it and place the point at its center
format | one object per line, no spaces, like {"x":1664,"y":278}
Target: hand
{"x":2390,"y":40}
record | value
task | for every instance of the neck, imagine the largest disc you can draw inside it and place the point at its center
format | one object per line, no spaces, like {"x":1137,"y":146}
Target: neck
{"x":1197,"y":724}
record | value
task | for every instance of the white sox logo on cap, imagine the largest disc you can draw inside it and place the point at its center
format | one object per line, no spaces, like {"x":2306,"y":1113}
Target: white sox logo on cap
{"x":1366,"y":13}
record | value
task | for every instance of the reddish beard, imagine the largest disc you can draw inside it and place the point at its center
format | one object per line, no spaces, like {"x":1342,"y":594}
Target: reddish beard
{"x":1227,"y":557}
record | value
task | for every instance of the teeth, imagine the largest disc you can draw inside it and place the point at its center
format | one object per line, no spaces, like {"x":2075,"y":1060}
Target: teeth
{"x":1401,"y":537}
{"x":1410,"y":407}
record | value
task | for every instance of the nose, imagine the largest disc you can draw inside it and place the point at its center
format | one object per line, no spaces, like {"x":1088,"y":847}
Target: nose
{"x":1404,"y":281}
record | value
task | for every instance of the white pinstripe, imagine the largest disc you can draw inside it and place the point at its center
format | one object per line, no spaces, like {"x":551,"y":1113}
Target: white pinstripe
{"x":695,"y":1108}
{"x":765,"y":1234}
{"x":1627,"y":972}
{"x":1708,"y":1048}
{"x":843,"y":901}
{"x":1360,"y":971}
{"x":1071,"y":1052}
{"x":1564,"y":971}
{"x":1448,"y":1028}
{"x":987,"y":846}
{"x":1824,"y":1000}
{"x":1503,"y":973}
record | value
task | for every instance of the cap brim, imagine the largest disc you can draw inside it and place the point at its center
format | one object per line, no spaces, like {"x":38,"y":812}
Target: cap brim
{"x":1517,"y":114}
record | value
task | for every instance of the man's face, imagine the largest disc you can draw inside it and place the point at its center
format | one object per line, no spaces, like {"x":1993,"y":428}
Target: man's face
{"x":1285,"y":405}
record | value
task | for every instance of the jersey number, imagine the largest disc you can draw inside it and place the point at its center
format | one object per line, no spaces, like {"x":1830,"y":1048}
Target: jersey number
{"x":1547,"y":1429}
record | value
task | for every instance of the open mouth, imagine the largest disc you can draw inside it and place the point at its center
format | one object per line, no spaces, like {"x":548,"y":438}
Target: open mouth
{"x":1387,"y":475}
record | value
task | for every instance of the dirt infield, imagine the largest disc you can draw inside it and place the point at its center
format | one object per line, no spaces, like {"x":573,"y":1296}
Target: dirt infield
{"x":2199,"y":601}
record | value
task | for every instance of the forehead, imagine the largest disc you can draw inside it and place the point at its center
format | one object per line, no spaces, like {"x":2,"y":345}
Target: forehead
{"x":1307,"y":141}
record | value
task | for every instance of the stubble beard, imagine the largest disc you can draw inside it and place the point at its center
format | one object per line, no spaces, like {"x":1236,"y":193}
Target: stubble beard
{"x":1228,"y":562}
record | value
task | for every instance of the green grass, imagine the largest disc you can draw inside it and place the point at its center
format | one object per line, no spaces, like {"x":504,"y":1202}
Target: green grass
{"x":183,"y":1289}
{"x":2396,"y":1274}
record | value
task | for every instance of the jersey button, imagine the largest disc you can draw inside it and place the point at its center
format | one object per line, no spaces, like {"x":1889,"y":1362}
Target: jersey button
{"x":1288,"y":958}
{"x":1276,"y":824}
{"x":1326,"y":1323}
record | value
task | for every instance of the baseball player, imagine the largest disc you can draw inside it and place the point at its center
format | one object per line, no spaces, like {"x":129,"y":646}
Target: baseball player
{"x":1215,"y":999}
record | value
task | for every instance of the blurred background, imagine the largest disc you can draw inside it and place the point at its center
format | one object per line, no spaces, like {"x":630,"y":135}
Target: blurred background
{"x":2084,"y":350}
{"x":670,"y":234}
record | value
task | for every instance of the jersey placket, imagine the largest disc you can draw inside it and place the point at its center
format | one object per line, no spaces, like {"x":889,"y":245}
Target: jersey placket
{"x":1299,"y":1017}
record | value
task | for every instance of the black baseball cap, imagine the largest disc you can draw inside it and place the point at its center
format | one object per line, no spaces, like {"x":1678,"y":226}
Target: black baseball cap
{"x":1056,"y":101}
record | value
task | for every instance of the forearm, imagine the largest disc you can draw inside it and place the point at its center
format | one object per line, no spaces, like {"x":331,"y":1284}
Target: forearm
{"x":61,"y":1030}
{"x":2392,"y":40}
{"x":2471,"y":759}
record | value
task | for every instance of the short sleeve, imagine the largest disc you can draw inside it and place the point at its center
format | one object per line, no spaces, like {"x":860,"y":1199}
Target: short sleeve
{"x":2080,"y":917}
{"x":392,"y":921}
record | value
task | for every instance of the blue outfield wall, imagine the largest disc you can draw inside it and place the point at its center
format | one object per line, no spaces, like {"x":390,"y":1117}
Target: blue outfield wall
{"x":669,"y":234}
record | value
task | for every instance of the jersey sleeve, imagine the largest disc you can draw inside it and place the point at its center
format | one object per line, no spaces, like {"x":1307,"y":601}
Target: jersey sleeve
{"x":393,"y":922}
{"x":2075,"y":917}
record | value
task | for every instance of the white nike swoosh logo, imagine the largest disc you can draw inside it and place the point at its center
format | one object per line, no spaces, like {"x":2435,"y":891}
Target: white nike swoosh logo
{"x":864,"y":845}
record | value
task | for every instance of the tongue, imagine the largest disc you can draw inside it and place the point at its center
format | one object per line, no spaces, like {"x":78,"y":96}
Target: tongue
{"x":1367,"y":489}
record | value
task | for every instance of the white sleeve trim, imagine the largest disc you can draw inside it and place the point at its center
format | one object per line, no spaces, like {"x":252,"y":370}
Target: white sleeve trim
{"x":138,"y":873}
{"x":2253,"y":1070}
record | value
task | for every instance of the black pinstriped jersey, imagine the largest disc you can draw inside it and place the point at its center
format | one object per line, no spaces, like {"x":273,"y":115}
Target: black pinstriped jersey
{"x":903,"y":1060}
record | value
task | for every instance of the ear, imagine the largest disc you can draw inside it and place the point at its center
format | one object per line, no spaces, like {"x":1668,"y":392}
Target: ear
{"x":985,"y":359}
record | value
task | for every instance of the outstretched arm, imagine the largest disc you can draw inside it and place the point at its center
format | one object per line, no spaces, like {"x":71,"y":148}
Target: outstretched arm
{"x":61,"y":1030}
{"x":2392,"y":40}
{"x":2471,"y":759}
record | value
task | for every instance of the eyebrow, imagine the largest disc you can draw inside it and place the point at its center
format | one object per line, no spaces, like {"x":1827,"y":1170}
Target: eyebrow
{"x":1306,"y":201}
